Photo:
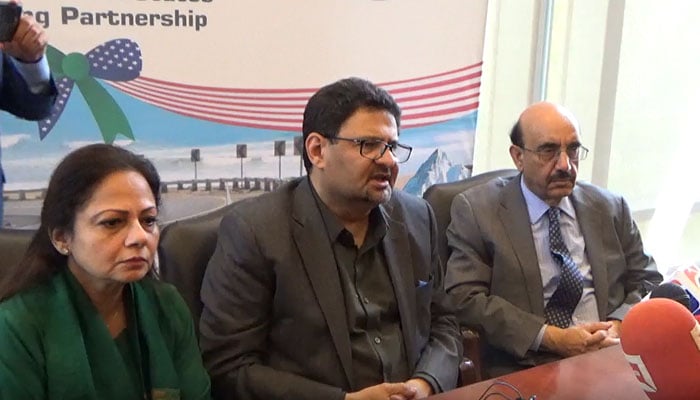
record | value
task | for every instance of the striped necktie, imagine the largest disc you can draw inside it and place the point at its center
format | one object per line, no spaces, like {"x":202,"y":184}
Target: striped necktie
{"x":568,"y":293}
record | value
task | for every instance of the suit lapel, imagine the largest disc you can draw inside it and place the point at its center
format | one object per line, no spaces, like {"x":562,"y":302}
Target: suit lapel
{"x":398,"y":260}
{"x":311,"y":239}
{"x":516,"y":223}
{"x":590,"y":222}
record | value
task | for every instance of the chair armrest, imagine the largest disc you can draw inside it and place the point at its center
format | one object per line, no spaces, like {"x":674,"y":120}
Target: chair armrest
{"x":467,"y":373}
{"x":470,"y":367}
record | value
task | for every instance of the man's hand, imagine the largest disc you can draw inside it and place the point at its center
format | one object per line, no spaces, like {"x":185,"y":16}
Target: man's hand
{"x":384,"y":391}
{"x":576,"y":339}
{"x":29,"y":42}
{"x":423,"y":388}
{"x":613,"y":334}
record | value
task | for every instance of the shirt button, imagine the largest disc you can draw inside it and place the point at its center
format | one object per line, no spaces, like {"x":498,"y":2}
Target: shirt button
{"x":377,"y":340}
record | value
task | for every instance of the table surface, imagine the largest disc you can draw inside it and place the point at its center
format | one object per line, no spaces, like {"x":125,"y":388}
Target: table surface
{"x":603,"y":374}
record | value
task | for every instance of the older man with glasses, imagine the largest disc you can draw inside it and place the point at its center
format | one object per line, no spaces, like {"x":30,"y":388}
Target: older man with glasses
{"x":330,"y":287}
{"x":544,"y":266}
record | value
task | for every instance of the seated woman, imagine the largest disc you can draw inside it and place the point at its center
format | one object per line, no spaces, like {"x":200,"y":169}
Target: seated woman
{"x":81,"y":316}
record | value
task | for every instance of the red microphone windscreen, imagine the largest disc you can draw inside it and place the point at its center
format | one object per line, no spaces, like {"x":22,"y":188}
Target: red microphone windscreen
{"x":661,"y":341}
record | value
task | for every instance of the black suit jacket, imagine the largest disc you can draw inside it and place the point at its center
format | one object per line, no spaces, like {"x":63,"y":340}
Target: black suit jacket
{"x":274,"y":324}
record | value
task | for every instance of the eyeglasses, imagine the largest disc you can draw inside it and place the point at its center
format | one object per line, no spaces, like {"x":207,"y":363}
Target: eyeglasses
{"x":374,"y":149}
{"x":547,"y":154}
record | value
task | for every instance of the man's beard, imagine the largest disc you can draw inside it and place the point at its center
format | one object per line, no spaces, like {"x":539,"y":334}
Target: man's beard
{"x":377,"y":198}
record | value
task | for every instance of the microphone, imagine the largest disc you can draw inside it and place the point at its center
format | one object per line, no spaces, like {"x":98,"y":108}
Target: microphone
{"x":688,"y":277}
{"x":670,"y":290}
{"x":658,"y":336}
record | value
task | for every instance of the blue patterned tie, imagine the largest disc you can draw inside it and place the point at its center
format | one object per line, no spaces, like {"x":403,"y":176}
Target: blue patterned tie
{"x":568,"y":293}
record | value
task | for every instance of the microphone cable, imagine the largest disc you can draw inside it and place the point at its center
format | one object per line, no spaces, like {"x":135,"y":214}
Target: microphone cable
{"x":488,"y":393}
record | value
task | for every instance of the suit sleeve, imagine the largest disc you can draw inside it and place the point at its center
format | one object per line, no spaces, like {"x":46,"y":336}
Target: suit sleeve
{"x":16,"y":97}
{"x":641,"y":268}
{"x":439,"y":361}
{"x":469,"y":276}
{"x":22,"y":370}
{"x":238,"y":292}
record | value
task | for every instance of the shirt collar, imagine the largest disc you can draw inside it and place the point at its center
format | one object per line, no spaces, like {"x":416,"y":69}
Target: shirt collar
{"x":536,"y":207}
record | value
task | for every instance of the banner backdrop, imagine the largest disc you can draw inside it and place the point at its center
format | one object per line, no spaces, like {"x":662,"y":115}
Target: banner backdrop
{"x":230,"y":79}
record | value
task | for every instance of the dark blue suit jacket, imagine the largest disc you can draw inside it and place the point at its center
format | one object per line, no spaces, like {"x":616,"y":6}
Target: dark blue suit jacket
{"x":17,"y":99}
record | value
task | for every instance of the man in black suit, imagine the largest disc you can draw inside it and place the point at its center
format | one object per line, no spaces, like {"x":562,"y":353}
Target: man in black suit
{"x":330,"y":287}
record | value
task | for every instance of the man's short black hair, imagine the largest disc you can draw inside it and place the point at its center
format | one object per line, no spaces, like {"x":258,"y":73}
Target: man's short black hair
{"x":333,"y":104}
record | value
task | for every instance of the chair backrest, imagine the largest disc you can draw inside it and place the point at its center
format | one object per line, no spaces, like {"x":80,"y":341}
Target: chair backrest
{"x":13,"y":244}
{"x":183,"y":254}
{"x":440,"y":196}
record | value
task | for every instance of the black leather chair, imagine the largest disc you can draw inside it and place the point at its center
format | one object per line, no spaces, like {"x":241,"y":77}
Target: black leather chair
{"x":183,"y":254}
{"x":187,"y":245}
{"x":440,"y":197}
{"x":13,"y":244}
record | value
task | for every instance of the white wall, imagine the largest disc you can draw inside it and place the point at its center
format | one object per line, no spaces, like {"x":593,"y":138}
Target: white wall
{"x":509,"y":64}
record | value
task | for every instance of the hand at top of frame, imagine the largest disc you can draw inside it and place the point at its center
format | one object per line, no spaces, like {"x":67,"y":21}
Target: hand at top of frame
{"x":29,"y":42}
